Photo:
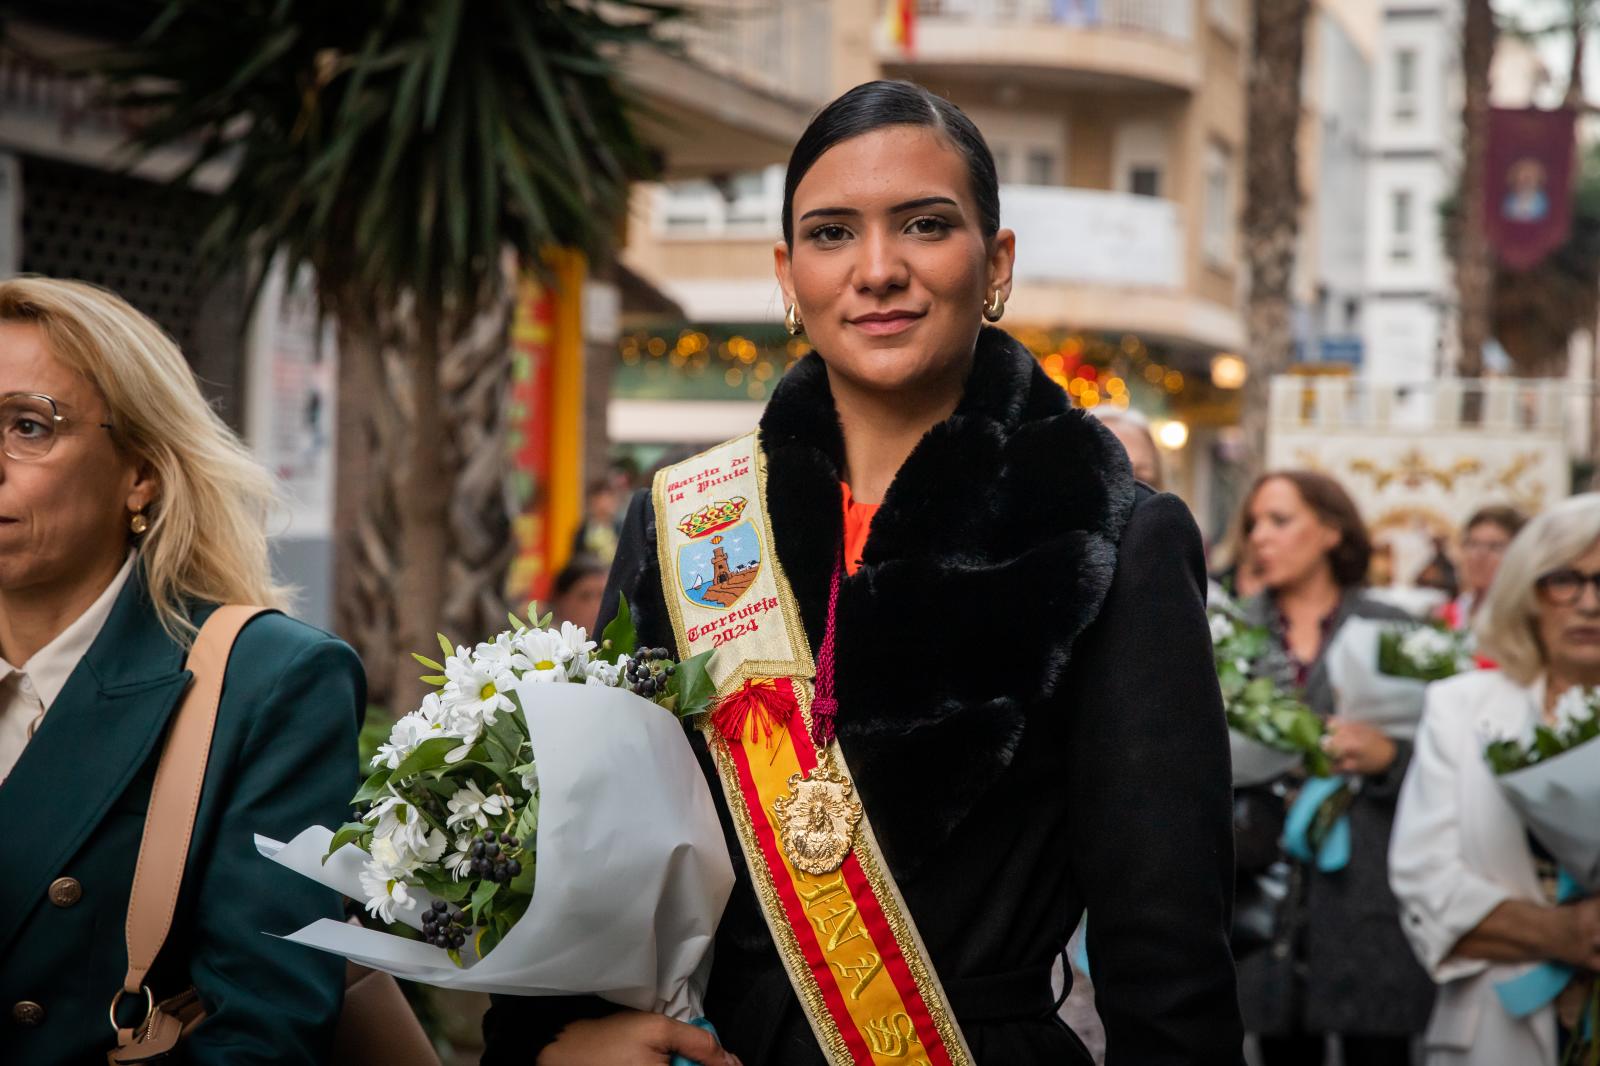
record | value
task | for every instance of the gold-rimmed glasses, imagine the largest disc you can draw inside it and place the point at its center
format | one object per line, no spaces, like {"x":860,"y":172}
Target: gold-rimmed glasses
{"x":30,"y":422}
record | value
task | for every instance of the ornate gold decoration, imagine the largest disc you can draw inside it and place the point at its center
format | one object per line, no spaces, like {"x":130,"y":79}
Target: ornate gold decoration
{"x":792,"y":322}
{"x":817,"y":820}
{"x":138,"y":523}
{"x":1413,"y":468}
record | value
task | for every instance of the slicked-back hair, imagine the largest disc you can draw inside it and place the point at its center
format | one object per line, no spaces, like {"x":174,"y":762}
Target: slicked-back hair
{"x":878,"y":104}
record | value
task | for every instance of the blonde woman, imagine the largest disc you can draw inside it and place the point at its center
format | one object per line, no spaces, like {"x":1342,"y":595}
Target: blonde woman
{"x":128,"y":511}
{"x":1476,"y":891}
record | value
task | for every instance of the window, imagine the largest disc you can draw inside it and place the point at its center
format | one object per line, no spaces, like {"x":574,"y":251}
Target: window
{"x":1145,"y":181}
{"x":1405,"y":84}
{"x":1002,"y":165}
{"x":1400,"y":223}
{"x":1041,"y":167}
{"x":1216,"y":240}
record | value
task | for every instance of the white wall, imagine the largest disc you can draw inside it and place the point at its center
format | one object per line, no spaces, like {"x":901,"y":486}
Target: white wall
{"x":1401,"y":339}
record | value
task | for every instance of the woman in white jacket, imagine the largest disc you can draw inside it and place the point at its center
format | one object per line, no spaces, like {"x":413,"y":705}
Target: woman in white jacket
{"x":1476,"y":900}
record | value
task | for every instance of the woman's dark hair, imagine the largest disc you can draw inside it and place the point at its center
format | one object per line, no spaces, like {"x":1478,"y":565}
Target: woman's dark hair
{"x":578,"y":568}
{"x":876,"y":104}
{"x":1509,"y":519}
{"x":1333,"y":505}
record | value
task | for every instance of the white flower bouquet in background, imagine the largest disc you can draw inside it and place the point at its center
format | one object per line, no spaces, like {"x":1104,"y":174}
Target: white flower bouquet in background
{"x":1551,"y":775}
{"x":542,"y":821}
{"x":1270,"y":732}
{"x":1380,"y":671}
{"x":1424,"y":652}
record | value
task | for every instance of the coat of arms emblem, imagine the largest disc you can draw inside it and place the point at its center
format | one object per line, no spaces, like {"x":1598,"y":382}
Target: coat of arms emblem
{"x":723,"y":557}
{"x":817,"y":820}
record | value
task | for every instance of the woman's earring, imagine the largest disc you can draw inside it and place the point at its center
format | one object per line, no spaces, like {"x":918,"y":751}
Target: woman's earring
{"x":995,"y":307}
{"x":138,"y":523}
{"x":791,"y":321}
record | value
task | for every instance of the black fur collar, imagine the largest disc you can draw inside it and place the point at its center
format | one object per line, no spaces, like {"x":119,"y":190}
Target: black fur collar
{"x":992,"y":551}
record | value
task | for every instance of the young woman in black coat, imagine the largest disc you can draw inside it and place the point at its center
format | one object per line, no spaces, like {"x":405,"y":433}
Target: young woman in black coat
{"x":1026,"y":696}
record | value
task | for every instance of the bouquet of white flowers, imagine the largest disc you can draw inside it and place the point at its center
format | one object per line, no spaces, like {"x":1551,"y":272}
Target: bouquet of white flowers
{"x":1424,"y":652}
{"x":1269,"y":731}
{"x":542,"y":821}
{"x":1380,"y":671}
{"x":1551,"y":775}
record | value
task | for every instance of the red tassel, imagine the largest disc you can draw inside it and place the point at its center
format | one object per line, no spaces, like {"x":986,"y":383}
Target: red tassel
{"x":762,"y":701}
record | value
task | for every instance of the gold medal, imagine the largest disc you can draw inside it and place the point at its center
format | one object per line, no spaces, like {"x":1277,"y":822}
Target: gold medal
{"x":817,"y":820}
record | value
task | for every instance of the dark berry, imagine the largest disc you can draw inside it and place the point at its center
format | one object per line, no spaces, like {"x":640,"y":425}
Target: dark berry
{"x":429,"y":919}
{"x":671,"y":669}
{"x":661,"y":653}
{"x":493,"y":850}
{"x":458,"y":939}
{"x":489,"y":836}
{"x":515,"y":867}
{"x":511,"y":842}
{"x":440,"y":906}
{"x":477,"y":849}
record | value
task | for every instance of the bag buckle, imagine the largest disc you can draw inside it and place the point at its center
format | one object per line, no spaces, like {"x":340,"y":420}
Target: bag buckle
{"x":149,"y":1008}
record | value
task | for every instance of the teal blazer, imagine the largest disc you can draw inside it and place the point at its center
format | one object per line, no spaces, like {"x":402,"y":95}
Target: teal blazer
{"x":283,"y":757}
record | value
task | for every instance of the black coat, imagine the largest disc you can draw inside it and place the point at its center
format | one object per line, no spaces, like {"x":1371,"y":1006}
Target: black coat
{"x":1028,"y":704}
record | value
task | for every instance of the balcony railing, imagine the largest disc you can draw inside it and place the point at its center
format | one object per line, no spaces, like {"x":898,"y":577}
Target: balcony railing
{"x":1094,"y":237}
{"x":780,"y":48}
{"x":1164,"y":18}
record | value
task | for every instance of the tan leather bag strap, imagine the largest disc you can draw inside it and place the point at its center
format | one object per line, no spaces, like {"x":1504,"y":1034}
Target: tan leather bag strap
{"x":175,"y":797}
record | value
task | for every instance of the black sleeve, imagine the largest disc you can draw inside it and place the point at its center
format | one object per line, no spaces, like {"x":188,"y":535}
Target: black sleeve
{"x":636,"y":574}
{"x":1151,"y":812}
{"x":517,"y":1028}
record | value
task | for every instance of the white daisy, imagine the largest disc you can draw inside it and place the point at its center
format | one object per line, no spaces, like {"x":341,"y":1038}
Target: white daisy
{"x":386,"y":891}
{"x":459,"y":861}
{"x":602,"y":674}
{"x":547,"y":655}
{"x":471,"y":805}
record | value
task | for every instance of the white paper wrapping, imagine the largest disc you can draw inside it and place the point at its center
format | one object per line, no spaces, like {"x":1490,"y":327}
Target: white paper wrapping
{"x":1255,"y":763}
{"x":1559,"y":801}
{"x":633,"y":869}
{"x":1364,"y":693}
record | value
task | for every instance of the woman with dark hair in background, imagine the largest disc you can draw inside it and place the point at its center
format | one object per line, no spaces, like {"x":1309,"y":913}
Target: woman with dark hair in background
{"x":1339,"y":963}
{"x":943,"y":534}
{"x":1484,"y":540}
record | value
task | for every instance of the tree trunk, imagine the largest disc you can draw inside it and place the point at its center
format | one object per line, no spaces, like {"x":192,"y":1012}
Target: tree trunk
{"x":1272,"y":203}
{"x":1474,"y":258}
{"x":423,"y":503}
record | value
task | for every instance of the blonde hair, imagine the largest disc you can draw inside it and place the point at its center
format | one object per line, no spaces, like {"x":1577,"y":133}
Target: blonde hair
{"x":1506,"y":624}
{"x":207,"y":538}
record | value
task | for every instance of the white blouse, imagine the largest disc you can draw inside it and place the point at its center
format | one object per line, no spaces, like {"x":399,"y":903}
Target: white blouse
{"x":1457,"y":852}
{"x":27,"y":691}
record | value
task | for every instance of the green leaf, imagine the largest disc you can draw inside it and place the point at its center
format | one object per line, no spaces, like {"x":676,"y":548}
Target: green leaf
{"x":449,"y":648}
{"x":692,"y":686}
{"x":372,"y":788}
{"x":429,"y":663}
{"x":429,"y":755}
{"x":433,"y":679}
{"x":349,"y":833}
{"x":481,"y":896}
{"x":619,"y":638}
{"x":444,"y":43}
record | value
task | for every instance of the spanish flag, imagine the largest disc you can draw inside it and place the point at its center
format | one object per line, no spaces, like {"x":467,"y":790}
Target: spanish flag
{"x":900,"y":23}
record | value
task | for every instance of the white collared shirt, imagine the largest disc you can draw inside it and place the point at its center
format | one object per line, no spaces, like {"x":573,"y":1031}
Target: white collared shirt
{"x":26,"y":692}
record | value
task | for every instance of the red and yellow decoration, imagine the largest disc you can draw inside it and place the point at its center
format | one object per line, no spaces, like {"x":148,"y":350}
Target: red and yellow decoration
{"x":847,"y":941}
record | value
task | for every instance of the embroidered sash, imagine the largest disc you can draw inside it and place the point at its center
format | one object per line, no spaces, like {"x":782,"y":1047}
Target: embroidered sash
{"x":846,"y":939}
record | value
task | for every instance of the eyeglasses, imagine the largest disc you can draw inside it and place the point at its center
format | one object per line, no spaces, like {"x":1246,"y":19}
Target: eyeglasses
{"x":1491,"y":547}
{"x":1565,"y":587}
{"x":30,"y":422}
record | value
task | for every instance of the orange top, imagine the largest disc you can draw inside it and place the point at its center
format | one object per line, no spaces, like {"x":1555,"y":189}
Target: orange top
{"x":857,"y":524}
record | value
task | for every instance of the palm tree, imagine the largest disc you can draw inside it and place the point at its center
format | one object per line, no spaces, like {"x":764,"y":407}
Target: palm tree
{"x":1271,"y":224}
{"x":1474,"y":258}
{"x":399,"y":148}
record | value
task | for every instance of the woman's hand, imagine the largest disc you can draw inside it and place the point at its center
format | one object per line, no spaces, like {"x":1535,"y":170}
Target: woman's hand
{"x":633,"y":1038}
{"x":1578,"y":940}
{"x":1357,"y":747}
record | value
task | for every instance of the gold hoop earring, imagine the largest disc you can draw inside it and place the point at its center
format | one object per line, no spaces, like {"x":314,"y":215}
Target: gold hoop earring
{"x":139,"y":523}
{"x":791,"y":321}
{"x":995,"y":307}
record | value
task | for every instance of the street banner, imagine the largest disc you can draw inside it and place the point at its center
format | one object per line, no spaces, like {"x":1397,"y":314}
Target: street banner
{"x":1528,"y":183}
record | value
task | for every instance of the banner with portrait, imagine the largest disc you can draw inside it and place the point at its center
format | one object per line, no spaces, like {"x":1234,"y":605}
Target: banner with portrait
{"x":1528,"y":183}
